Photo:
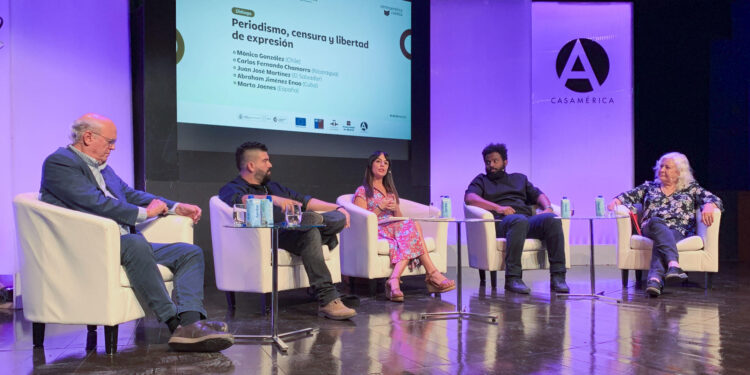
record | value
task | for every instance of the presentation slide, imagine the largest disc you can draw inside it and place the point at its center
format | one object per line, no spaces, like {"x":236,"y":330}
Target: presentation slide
{"x":340,"y":67}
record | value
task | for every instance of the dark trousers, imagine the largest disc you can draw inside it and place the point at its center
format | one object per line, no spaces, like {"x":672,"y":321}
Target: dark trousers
{"x":517,"y":228}
{"x":139,"y":257}
{"x":665,"y":246}
{"x":307,"y":243}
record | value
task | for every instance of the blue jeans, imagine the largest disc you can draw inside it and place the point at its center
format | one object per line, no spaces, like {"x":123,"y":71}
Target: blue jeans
{"x":665,"y":246}
{"x":139,"y":257}
{"x":517,"y":228}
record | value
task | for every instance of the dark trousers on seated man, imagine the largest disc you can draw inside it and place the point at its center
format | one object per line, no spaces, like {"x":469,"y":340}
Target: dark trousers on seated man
{"x":139,"y":258}
{"x":516,"y":229}
{"x":307,"y":243}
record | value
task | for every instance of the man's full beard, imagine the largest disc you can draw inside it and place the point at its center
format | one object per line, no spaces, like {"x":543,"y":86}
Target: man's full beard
{"x":266,"y":178}
{"x":496,"y":174}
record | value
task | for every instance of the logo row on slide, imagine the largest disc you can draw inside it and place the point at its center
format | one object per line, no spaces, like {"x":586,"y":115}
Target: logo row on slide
{"x":319,"y":123}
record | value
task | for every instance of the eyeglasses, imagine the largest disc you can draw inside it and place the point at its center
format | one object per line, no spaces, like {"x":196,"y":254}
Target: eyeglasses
{"x":110,"y":141}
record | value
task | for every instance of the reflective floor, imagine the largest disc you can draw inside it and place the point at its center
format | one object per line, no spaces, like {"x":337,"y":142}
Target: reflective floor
{"x":688,"y":331}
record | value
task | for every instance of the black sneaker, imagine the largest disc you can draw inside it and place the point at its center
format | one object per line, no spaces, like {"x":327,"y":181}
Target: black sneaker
{"x":557,"y":283}
{"x":675,"y":273}
{"x":653,"y":288}
{"x":516,"y":285}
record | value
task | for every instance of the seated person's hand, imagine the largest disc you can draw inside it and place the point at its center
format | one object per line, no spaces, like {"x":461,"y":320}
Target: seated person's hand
{"x":548,"y":210}
{"x":707,"y":213}
{"x":614,"y":203}
{"x":283,"y":203}
{"x":389,"y":204}
{"x":189,"y":210}
{"x":346,"y":213}
{"x":505,"y":210}
{"x":156,"y":208}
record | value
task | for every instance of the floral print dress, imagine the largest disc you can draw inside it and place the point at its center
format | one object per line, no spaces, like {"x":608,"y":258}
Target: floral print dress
{"x":677,"y":210}
{"x":404,"y":241}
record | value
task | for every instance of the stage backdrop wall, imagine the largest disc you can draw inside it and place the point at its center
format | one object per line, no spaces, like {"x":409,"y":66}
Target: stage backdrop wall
{"x":494,"y":77}
{"x":7,"y":261}
{"x":582,"y":108}
{"x":480,"y":90}
{"x":66,"y":58}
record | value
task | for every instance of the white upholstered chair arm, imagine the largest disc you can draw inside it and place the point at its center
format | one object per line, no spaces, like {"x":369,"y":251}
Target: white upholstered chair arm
{"x":480,"y":237}
{"x":361,"y":234}
{"x":168,"y":229}
{"x":247,"y":249}
{"x":566,"y":233}
{"x":624,"y":232}
{"x":56,"y":246}
{"x":710,"y":237}
{"x":436,"y":230}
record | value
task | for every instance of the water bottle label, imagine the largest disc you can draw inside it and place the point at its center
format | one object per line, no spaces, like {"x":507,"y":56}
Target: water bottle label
{"x":266,"y":212}
{"x":565,"y":208}
{"x":445,"y":206}
{"x":252,"y":216}
{"x":600,"y":207}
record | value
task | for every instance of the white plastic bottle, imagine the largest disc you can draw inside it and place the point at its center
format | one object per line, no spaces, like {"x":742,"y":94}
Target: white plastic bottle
{"x":252,"y":216}
{"x":267,"y":211}
{"x":565,"y":208}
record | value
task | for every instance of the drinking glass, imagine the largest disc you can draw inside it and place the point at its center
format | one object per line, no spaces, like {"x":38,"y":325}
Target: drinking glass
{"x":293,"y":215}
{"x":238,"y":214}
{"x":432,"y":212}
{"x":612,"y":212}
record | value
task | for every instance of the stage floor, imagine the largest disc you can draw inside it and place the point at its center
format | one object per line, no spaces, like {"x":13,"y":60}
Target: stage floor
{"x":687,"y":330}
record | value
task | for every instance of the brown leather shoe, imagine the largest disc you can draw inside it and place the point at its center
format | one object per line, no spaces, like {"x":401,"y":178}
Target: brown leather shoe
{"x":217,"y":326}
{"x":199,"y":337}
{"x":336,"y":310}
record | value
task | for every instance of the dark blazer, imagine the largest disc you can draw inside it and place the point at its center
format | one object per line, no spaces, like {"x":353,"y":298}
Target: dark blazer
{"x":68,"y":182}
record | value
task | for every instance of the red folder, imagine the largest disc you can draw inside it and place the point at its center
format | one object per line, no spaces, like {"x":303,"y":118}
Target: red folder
{"x":634,"y":219}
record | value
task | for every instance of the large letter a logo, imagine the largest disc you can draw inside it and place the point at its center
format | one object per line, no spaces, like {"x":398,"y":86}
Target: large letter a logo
{"x":582,"y":64}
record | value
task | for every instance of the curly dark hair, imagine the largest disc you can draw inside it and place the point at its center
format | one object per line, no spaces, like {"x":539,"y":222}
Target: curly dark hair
{"x":496,"y":147}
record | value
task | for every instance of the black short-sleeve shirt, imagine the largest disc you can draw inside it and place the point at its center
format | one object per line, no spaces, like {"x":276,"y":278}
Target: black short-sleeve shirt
{"x":234,"y":190}
{"x":506,"y":189}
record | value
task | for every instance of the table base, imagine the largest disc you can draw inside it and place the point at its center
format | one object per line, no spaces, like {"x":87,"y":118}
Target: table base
{"x":595,"y":296}
{"x":460,"y":312}
{"x":277,"y":339}
{"x":458,"y":315}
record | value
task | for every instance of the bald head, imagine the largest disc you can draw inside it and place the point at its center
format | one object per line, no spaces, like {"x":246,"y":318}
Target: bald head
{"x":89,"y":122}
{"x":95,"y":135}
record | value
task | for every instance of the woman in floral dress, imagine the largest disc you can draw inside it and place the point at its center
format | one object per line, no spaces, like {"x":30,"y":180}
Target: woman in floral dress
{"x":405,"y":240}
{"x":669,"y":204}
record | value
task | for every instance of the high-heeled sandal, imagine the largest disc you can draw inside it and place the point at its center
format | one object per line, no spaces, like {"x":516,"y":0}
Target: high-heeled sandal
{"x":438,"y":287}
{"x":394,"y":294}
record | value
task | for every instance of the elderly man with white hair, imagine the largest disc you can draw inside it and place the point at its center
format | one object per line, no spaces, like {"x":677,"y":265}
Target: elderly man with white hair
{"x":669,"y":203}
{"x":78,"y":177}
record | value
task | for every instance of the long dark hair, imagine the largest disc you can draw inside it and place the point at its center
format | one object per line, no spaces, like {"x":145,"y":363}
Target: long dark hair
{"x":390,"y":187}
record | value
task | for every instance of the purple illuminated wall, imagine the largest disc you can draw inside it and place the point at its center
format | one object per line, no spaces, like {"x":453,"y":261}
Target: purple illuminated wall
{"x":493,"y":76}
{"x":480,"y":90}
{"x":66,"y":58}
{"x":582,"y":142}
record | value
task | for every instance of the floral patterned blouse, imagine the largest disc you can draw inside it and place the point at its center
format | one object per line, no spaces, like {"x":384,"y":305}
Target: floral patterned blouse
{"x":677,"y":210}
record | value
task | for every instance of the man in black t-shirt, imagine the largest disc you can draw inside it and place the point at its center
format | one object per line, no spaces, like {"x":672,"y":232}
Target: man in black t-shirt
{"x":254,"y":179}
{"x":509,"y":197}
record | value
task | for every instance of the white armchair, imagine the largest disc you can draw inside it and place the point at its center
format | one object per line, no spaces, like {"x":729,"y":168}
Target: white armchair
{"x":699,"y":253}
{"x":364,"y":255}
{"x":70,"y":267}
{"x":487,"y":252}
{"x":242,"y":258}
